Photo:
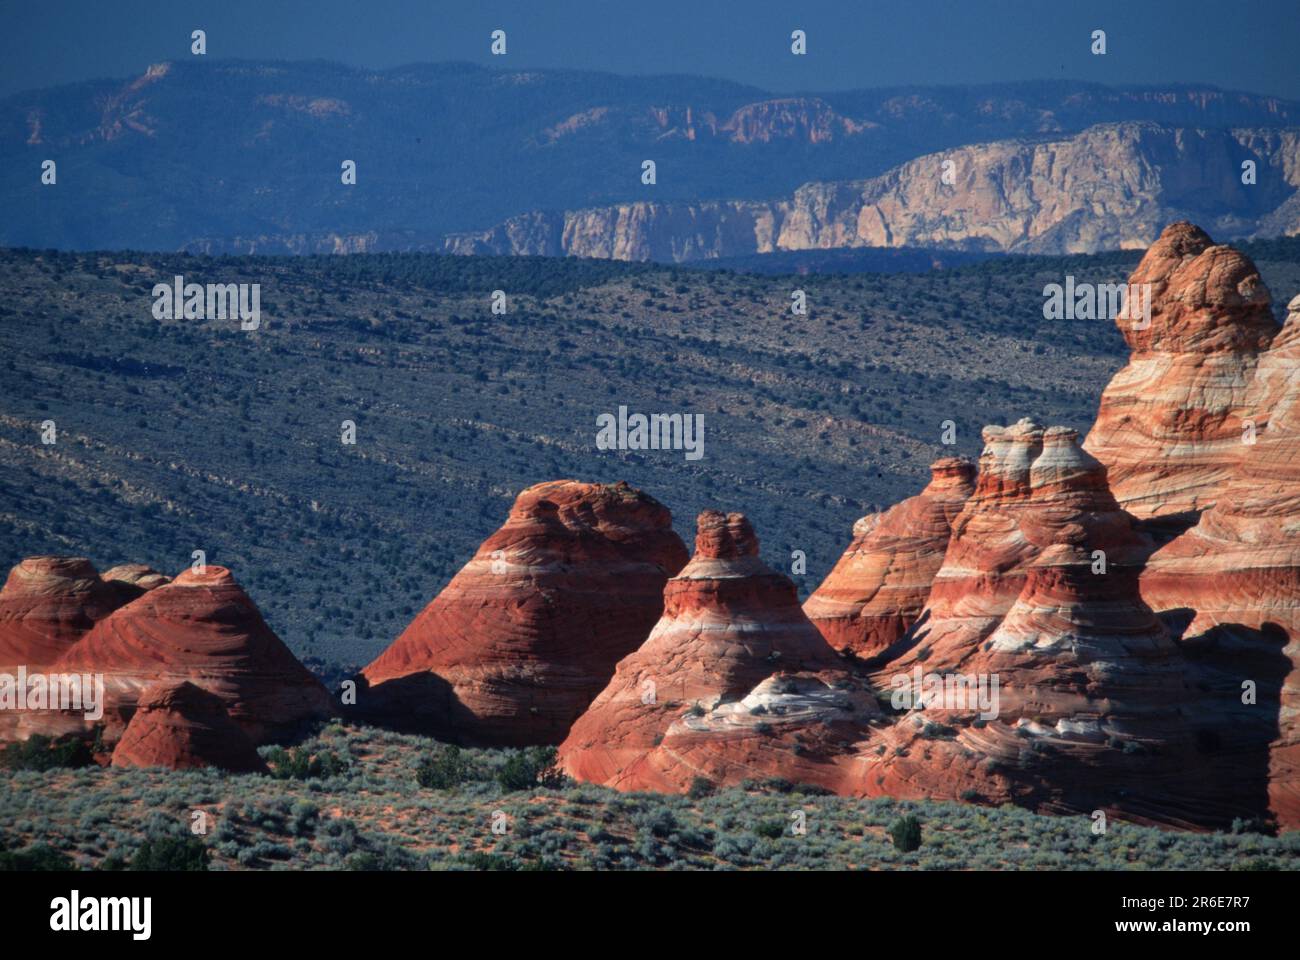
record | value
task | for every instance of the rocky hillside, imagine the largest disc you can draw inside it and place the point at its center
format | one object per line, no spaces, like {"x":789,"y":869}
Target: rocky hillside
{"x":245,"y":157}
{"x":1112,"y":186}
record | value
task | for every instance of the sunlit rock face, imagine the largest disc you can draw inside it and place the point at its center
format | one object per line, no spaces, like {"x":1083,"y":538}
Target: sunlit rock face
{"x":180,"y":726}
{"x":525,"y":636}
{"x":733,"y":683}
{"x":1170,"y":425}
{"x":881,"y":584}
{"x":201,"y":627}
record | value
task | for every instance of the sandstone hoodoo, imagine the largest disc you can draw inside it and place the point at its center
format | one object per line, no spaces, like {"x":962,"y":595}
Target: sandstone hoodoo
{"x":1171,"y":423}
{"x":204,"y":628}
{"x":1231,"y":584}
{"x":1041,"y":677}
{"x":1036,"y":488}
{"x":528,"y":632}
{"x":734,"y":682}
{"x":880,"y":585}
{"x":181,"y":726}
{"x":46,"y":606}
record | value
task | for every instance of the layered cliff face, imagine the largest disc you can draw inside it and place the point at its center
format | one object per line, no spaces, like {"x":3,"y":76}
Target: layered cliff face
{"x":734,"y":682}
{"x":181,"y":726}
{"x":46,"y":606}
{"x":1110,"y":186}
{"x":1172,"y":424}
{"x":1231,"y":583}
{"x":880,"y":585}
{"x":203,"y":628}
{"x":671,"y":232}
{"x":528,"y":632}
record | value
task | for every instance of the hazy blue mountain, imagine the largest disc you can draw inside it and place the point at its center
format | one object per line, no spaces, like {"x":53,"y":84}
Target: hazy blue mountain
{"x":245,"y":156}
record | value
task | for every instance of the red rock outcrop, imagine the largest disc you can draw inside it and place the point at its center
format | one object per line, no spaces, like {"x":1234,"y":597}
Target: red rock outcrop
{"x":881,"y":584}
{"x":204,"y":628}
{"x":46,"y":606}
{"x":733,"y":683}
{"x":528,"y":632}
{"x":1233,"y":583}
{"x":1170,"y":425}
{"x":181,"y":726}
{"x":1036,"y":488}
{"x":130,"y":580}
{"x":1093,"y":706}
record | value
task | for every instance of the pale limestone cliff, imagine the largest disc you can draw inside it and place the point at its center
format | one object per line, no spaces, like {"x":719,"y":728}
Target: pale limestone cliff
{"x":1111,"y":186}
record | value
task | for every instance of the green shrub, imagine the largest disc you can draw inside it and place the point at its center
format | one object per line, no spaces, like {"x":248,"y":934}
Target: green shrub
{"x":530,"y":767}
{"x":171,"y":854}
{"x":478,"y":860}
{"x":770,"y":829}
{"x":41,"y":753}
{"x":300,"y":763}
{"x":41,"y":857}
{"x":701,"y":787}
{"x":906,"y":833}
{"x":446,"y":767}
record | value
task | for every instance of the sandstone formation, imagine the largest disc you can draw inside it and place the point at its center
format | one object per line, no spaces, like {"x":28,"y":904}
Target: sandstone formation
{"x":130,"y":580}
{"x":1093,"y":706}
{"x":528,"y":632}
{"x":1171,"y":423}
{"x":200,"y":627}
{"x":1034,"y":486}
{"x":733,"y":683}
{"x":1107,"y":187}
{"x":46,"y":606}
{"x":180,"y":726}
{"x":880,"y":585}
{"x":1232,"y":582}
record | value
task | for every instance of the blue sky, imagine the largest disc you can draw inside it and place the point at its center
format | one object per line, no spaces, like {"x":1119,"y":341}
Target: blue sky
{"x":1249,"y":45}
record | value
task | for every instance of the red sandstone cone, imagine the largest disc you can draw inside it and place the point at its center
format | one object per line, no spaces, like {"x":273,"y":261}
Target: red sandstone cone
{"x":1096,"y":707}
{"x":529,"y":631}
{"x":732,"y":637}
{"x":201,"y":627}
{"x":881,"y":584}
{"x":46,"y":606}
{"x":180,"y":726}
{"x":130,"y":580}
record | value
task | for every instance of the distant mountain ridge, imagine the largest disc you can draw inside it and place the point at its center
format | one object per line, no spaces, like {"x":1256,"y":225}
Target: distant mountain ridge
{"x":1113,"y":186}
{"x":244,"y":156}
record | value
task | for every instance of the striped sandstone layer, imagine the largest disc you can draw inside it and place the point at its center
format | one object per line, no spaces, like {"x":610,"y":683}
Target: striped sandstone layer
{"x":1232,"y":582}
{"x":733,"y":683}
{"x":46,"y":606}
{"x":204,"y":628}
{"x":1039,"y":590}
{"x":528,"y":632}
{"x":880,"y":585}
{"x":1170,"y":424}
